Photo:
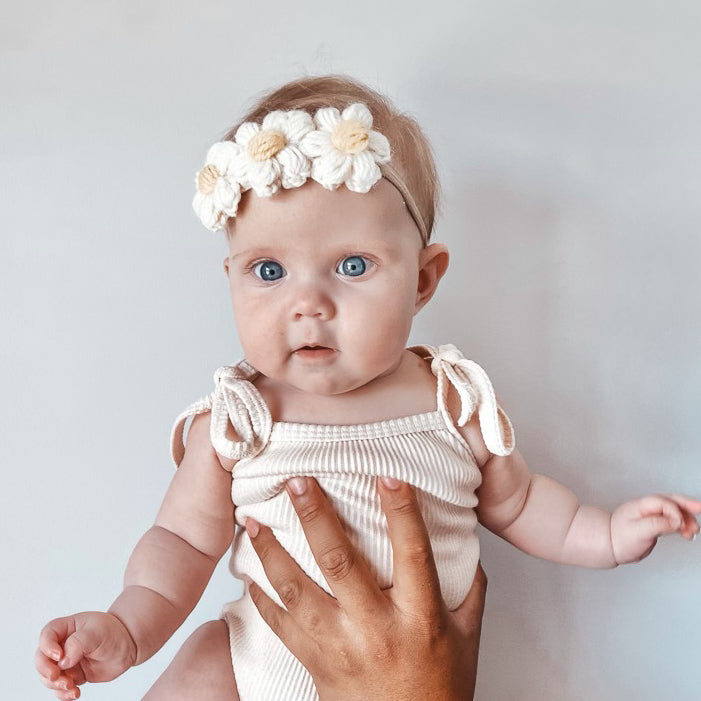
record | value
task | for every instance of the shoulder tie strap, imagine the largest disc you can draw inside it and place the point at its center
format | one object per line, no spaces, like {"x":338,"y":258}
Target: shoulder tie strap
{"x":234,"y":399}
{"x":471,"y":382}
{"x":177,"y":446}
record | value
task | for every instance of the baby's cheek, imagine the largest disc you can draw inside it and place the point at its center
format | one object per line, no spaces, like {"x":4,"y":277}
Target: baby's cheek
{"x":385,"y":329}
{"x":261,"y":339}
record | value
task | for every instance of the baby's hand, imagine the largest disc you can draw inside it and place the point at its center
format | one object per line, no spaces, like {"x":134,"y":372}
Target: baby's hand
{"x":636,"y":525}
{"x":91,"y":646}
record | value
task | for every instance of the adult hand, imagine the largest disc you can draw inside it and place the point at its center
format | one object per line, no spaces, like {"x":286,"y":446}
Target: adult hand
{"x":400,"y":643}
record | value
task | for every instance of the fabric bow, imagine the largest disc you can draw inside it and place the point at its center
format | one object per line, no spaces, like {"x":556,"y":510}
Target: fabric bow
{"x":235,"y":399}
{"x":472,"y":384}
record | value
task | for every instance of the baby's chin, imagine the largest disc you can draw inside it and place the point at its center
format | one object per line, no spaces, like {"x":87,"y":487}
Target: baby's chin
{"x":327,"y":387}
{"x":329,"y":377}
{"x":319,"y":383}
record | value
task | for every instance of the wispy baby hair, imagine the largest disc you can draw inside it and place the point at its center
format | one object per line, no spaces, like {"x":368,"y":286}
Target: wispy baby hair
{"x":412,"y":156}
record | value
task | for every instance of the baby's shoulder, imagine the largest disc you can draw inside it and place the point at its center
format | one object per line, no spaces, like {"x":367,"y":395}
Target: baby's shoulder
{"x":198,"y":448}
{"x":418,"y":378}
{"x":199,"y":441}
{"x":426,"y":381}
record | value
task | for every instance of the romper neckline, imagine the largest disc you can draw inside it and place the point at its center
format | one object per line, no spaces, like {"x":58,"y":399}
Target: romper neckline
{"x":413,"y":423}
{"x":237,"y":400}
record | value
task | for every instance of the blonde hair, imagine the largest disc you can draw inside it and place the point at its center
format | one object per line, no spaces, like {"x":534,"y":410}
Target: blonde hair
{"x":412,"y":157}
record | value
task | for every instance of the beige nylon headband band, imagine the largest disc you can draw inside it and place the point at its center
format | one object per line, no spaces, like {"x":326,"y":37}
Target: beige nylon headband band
{"x":390,"y":174}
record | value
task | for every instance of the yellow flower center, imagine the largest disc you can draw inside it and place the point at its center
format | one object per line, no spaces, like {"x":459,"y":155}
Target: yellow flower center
{"x":207,"y":179}
{"x":265,"y":144}
{"x":350,"y":136}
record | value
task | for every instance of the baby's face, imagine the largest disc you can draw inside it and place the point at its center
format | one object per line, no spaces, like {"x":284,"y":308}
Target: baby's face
{"x":324,"y":284}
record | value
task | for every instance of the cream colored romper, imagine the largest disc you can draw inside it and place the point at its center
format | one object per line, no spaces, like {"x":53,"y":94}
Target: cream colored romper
{"x":425,"y":450}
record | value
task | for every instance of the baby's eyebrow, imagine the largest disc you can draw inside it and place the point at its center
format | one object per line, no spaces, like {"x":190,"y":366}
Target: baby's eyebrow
{"x":380,"y":247}
{"x":254,"y":252}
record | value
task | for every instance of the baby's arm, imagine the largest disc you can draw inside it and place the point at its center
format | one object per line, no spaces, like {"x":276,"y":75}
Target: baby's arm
{"x":165,"y":577}
{"x":541,"y":516}
{"x":172,"y":563}
{"x":544,"y":518}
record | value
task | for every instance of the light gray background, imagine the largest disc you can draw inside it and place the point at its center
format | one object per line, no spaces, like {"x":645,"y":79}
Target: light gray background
{"x":567,"y":137}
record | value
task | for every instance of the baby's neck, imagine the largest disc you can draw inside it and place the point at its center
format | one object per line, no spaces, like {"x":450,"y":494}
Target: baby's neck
{"x":408,"y":390}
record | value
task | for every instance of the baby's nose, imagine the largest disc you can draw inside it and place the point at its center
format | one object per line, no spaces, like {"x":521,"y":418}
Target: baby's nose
{"x":311,"y":301}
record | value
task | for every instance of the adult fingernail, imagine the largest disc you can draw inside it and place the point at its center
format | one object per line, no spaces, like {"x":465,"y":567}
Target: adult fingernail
{"x":298,"y":485}
{"x":63,"y":663}
{"x":252,"y":527}
{"x":390,"y":482}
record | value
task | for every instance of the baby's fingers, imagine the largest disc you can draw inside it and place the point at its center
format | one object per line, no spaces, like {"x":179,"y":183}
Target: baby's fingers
{"x":71,"y":693}
{"x":663,"y":506}
{"x":690,"y":527}
{"x":651,"y":527}
{"x":62,"y":685}
{"x":74,"y":650}
{"x":636,"y":525}
{"x":49,"y":652}
{"x":688,"y":503}
{"x":53,"y":632}
{"x":678,"y":510}
{"x":47,"y":668}
{"x":689,"y":509}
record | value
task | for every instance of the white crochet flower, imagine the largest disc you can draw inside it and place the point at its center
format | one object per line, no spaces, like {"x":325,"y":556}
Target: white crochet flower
{"x":287,"y":149}
{"x":218,"y":192}
{"x":345,"y":149}
{"x":270,"y":153}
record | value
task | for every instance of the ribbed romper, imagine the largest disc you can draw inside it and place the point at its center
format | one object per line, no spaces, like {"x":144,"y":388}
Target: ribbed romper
{"x":425,"y":450}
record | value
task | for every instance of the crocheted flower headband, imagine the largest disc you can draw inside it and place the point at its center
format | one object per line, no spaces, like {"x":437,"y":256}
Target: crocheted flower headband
{"x":333,"y":148}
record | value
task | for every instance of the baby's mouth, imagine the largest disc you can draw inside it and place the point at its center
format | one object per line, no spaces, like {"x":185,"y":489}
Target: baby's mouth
{"x":314,"y":351}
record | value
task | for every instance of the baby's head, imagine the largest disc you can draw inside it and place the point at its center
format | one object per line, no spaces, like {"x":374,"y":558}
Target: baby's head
{"x":325,"y":279}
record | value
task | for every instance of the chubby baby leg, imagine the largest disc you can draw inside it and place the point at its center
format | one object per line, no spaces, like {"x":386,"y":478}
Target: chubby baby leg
{"x":201,"y":669}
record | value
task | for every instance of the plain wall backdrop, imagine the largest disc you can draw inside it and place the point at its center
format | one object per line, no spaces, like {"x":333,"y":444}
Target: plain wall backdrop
{"x":567,"y":137}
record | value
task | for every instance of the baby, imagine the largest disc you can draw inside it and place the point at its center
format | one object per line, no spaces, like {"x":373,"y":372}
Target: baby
{"x":329,"y":261}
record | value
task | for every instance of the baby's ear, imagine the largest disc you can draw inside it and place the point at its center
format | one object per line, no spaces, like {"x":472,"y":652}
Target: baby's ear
{"x":226,"y":266}
{"x":433,"y":262}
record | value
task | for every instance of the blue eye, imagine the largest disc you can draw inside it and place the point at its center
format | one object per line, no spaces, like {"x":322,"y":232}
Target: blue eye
{"x":353,"y":266}
{"x":269,"y":270}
